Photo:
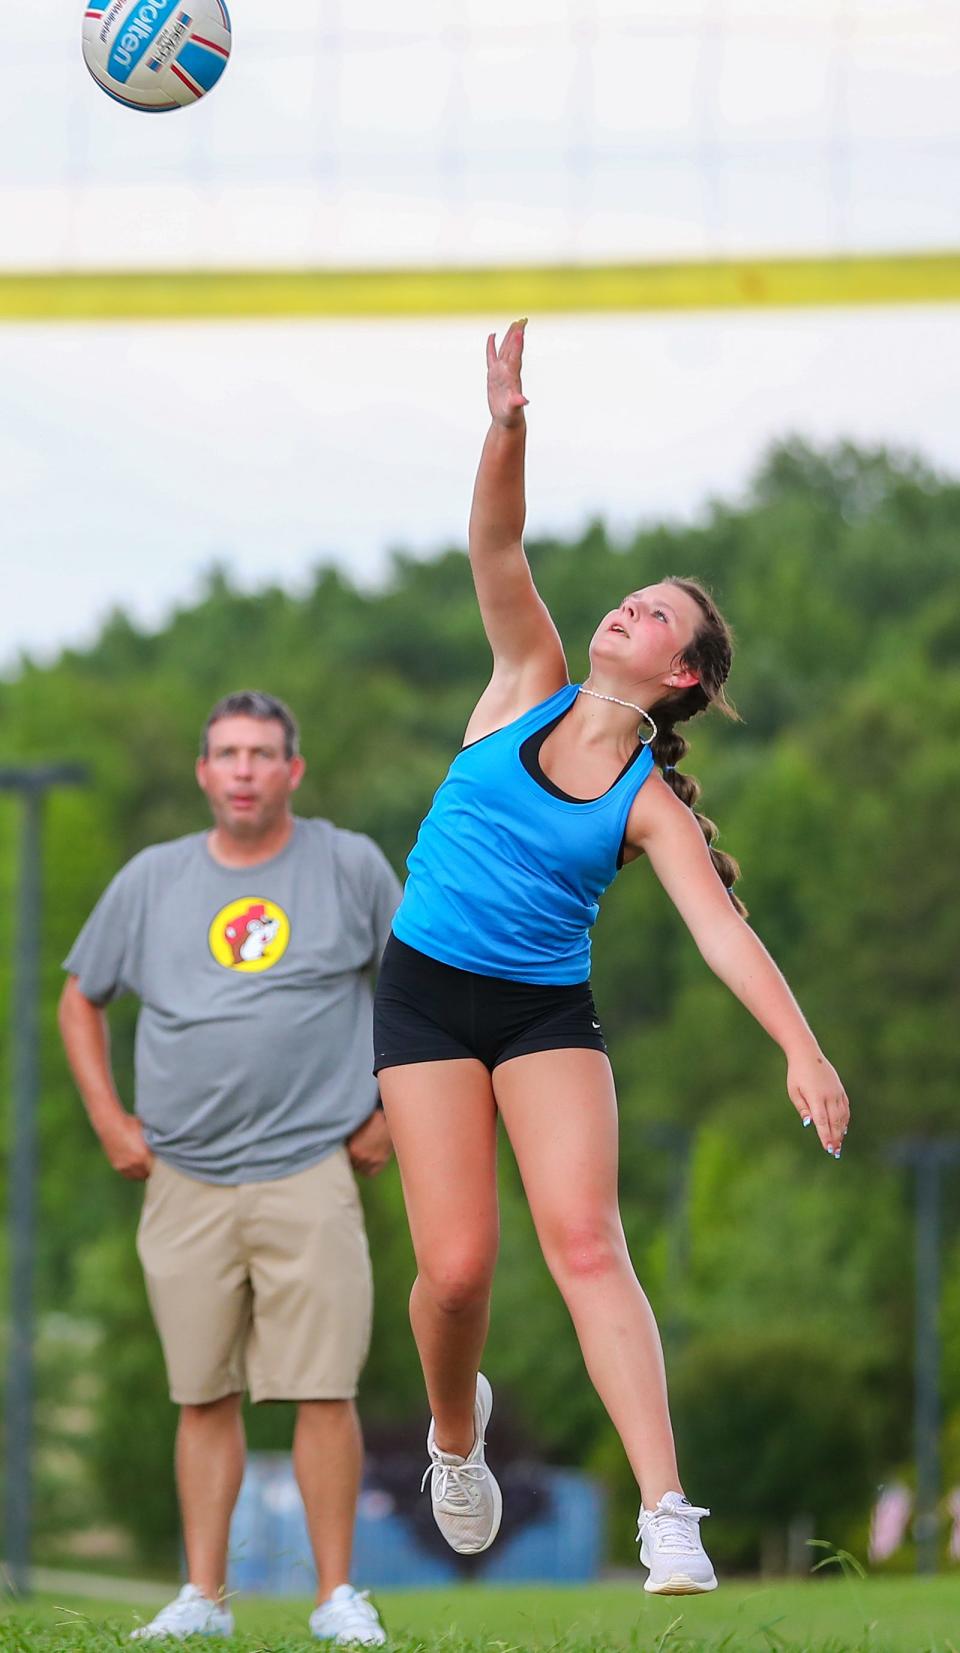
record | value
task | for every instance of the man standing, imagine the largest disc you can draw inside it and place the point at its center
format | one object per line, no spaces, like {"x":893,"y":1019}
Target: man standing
{"x":249,"y":948}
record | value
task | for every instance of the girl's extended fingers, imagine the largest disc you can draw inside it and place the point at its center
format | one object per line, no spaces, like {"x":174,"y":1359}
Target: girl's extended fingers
{"x":513,"y":339}
{"x":829,"y":1112}
{"x":832,"y":1135}
{"x":821,"y":1120}
{"x":491,"y":351}
{"x":838,"y":1114}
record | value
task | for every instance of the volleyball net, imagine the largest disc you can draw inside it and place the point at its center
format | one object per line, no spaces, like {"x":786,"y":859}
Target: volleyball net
{"x":608,"y":153}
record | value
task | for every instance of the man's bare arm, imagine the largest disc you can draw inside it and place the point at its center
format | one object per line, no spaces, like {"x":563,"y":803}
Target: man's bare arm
{"x":86,"y":1039}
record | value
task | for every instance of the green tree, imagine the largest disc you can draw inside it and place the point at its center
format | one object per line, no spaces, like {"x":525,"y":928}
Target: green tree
{"x":837,"y":793}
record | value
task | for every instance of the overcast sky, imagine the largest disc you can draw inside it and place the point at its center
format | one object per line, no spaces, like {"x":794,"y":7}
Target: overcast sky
{"x":273,"y":446}
{"x":463,"y":130}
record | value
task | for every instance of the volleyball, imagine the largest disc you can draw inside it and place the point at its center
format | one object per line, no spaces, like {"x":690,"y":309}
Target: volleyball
{"x":156,"y":54}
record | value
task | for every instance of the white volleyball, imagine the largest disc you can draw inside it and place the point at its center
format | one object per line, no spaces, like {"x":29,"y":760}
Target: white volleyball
{"x":156,"y":54}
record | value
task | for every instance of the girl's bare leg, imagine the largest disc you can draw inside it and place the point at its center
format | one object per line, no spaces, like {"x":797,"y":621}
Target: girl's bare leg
{"x":443,"y":1120}
{"x":560,"y":1111}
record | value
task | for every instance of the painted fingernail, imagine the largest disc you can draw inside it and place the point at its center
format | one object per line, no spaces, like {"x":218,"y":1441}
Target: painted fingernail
{"x":836,"y":1153}
{"x":806,"y":1120}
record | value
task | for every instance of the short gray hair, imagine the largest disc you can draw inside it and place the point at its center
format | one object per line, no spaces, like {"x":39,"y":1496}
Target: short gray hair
{"x":254,"y":703}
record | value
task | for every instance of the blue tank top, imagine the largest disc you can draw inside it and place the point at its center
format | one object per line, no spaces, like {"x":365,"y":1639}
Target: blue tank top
{"x":505,"y":878}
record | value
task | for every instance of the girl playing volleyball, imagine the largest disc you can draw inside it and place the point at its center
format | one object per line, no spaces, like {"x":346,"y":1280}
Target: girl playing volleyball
{"x":484,"y":1002}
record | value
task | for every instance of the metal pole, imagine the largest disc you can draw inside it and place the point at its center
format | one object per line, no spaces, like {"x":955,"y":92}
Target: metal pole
{"x":32,"y":784}
{"x":22,"y":1195}
{"x":927,"y":1387}
{"x":927,"y":1158}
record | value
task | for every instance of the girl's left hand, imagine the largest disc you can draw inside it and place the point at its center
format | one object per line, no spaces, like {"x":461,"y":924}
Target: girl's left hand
{"x":816,"y":1092}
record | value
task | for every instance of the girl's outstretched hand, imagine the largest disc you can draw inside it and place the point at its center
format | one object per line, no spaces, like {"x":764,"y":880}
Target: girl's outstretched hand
{"x":816,"y":1092}
{"x":504,"y":393}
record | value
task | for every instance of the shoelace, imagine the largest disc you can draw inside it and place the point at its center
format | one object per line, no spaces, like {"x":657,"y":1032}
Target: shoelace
{"x":181,"y":1611}
{"x":672,"y":1527}
{"x":358,"y":1613}
{"x":452,"y":1485}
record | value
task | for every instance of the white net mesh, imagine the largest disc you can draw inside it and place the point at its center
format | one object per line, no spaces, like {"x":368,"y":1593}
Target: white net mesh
{"x":483,"y":131}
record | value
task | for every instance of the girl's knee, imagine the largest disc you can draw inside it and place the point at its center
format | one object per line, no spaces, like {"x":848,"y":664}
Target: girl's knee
{"x":457,"y":1283}
{"x":585,"y":1250}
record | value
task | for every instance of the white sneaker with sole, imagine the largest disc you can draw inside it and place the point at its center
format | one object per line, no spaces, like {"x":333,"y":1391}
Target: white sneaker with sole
{"x":190,"y":1614}
{"x":467,"y":1504}
{"x":348,"y":1618}
{"x":670,"y":1546}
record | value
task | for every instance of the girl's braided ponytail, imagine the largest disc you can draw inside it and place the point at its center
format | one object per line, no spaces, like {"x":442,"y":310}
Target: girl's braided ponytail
{"x":710,"y":655}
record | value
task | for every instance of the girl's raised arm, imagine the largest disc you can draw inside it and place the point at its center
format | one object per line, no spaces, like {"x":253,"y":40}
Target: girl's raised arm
{"x":528,"y":659}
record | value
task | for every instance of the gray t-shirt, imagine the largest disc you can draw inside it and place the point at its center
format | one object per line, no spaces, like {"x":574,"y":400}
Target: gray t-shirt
{"x":254,"y":1044}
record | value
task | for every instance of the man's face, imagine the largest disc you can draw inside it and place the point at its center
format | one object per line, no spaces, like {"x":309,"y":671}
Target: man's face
{"x":246,"y":775}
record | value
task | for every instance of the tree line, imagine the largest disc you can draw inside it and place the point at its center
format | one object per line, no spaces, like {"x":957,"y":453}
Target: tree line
{"x":782,"y":1279}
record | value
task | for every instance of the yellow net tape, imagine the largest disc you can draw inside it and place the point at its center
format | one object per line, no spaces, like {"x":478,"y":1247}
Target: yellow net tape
{"x":738,"y":284}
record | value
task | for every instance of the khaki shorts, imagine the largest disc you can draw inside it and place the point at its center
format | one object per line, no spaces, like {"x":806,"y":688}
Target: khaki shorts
{"x":266,"y":1285}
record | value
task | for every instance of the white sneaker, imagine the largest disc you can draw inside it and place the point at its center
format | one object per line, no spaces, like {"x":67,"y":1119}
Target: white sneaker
{"x":190,"y":1614}
{"x":467,"y":1504}
{"x":670,"y":1546}
{"x":348,"y":1617}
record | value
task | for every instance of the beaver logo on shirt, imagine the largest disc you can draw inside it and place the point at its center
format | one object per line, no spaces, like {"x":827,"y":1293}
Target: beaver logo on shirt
{"x":249,"y":934}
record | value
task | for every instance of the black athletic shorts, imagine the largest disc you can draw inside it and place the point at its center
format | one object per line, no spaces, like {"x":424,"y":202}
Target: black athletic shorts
{"x":426,"y":1011}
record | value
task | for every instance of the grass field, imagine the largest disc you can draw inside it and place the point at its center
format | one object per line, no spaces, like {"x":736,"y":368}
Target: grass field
{"x":228,"y":295}
{"x":832,"y":1615}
